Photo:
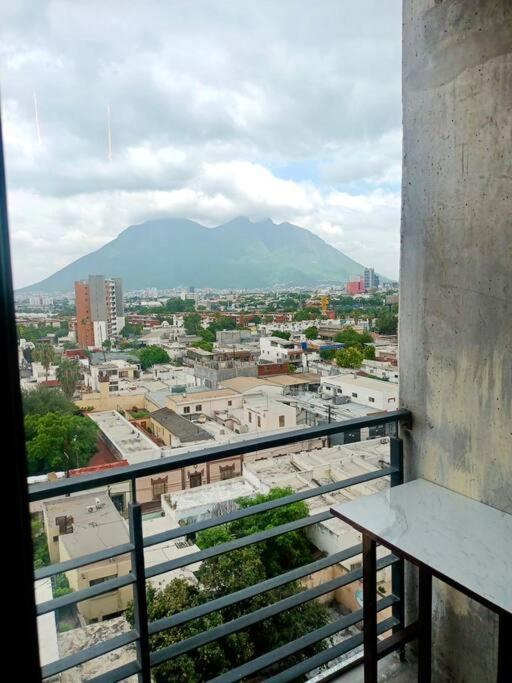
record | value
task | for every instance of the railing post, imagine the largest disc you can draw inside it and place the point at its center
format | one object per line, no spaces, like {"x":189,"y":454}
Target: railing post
{"x":140,"y":611}
{"x":133,"y":489}
{"x":397,"y":570}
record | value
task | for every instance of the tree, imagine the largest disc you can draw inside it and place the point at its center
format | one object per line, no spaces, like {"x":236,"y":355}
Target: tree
{"x":311,"y":332}
{"x":107,"y":346}
{"x":309,"y":313}
{"x":177,"y":305}
{"x":43,"y":399}
{"x":44,"y":354}
{"x":193,"y":323}
{"x":68,"y":374}
{"x":279,"y":554}
{"x":131,"y":330}
{"x":369,"y":352}
{"x":386,"y":323}
{"x":152,"y":355}
{"x":281,"y":335}
{"x":203,"y":344}
{"x":203,"y":663}
{"x":350,"y":337}
{"x":292,"y":368}
{"x":230,"y":572}
{"x":50,"y":436}
{"x":350,"y":357}
{"x":328,"y":354}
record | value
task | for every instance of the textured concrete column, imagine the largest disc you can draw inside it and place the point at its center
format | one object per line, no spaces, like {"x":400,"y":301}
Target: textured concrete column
{"x":456,"y":281}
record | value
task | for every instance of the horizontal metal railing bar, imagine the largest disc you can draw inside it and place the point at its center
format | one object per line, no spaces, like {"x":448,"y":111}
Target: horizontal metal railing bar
{"x":71,"y":485}
{"x":82,"y":561}
{"x":89,"y":653}
{"x":238,"y":543}
{"x":384,"y":648}
{"x":297,"y":645}
{"x":119,"y":674}
{"x":329,"y":654}
{"x":265,"y":507}
{"x":252,"y":591}
{"x":85,"y":594}
{"x":239,"y":624}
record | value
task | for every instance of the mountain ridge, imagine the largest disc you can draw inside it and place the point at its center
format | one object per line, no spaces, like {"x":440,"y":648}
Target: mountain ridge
{"x":173,"y":252}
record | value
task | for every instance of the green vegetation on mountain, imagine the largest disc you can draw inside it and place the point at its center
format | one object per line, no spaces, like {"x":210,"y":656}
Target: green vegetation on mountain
{"x":176,"y":252}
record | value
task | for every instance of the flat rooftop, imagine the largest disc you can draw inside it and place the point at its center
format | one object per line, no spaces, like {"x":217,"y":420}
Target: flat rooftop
{"x":130,"y":442}
{"x":210,"y":494}
{"x":295,"y":379}
{"x":358,"y":380}
{"x":101,"y":528}
{"x":202,"y":395}
{"x":185,"y":430}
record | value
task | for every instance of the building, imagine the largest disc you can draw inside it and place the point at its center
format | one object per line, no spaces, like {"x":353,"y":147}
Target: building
{"x":80,"y":525}
{"x":381,"y":370}
{"x":175,"y":430}
{"x":371,"y":279}
{"x":365,"y":390}
{"x":110,"y":377}
{"x":354,"y":287}
{"x":99,"y":310}
{"x":204,"y":402}
{"x":277,"y":350}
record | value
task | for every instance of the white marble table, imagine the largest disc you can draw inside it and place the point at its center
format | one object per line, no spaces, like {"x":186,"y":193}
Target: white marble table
{"x":456,"y":539}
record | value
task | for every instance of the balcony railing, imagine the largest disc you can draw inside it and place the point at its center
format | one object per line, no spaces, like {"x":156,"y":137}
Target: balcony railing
{"x":143,"y":629}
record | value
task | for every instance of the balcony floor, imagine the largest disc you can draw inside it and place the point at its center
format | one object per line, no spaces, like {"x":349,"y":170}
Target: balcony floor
{"x":390,"y":669}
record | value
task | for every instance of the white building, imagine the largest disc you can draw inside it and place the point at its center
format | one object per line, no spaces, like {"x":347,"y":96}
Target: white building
{"x":381,"y":370}
{"x":369,"y":392}
{"x":277,"y":350}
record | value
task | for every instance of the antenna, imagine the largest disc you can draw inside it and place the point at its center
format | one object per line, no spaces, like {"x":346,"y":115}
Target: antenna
{"x":109,"y":134}
{"x":36,"y":118}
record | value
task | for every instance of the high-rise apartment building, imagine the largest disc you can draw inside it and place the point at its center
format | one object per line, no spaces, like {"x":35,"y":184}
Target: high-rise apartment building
{"x":99,"y":309}
{"x":371,"y":279}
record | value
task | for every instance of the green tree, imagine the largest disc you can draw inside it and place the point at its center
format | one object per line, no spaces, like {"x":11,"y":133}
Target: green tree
{"x":328,"y":355}
{"x":68,"y":374}
{"x":311,"y":332}
{"x":230,"y":572}
{"x":203,"y":663}
{"x":151,"y":355}
{"x":386,"y":323}
{"x":292,"y":368}
{"x":131,"y":330}
{"x":193,"y":323}
{"x":281,"y":335}
{"x":350,"y":357}
{"x":309,"y":313}
{"x":369,"y":352}
{"x":278,"y":554}
{"x":50,"y":436}
{"x":44,"y":354}
{"x":39,"y":544}
{"x":43,"y":399}
{"x":203,"y":344}
{"x":177,"y":305}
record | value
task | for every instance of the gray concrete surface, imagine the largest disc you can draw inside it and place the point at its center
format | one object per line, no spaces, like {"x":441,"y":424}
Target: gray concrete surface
{"x":456,"y":281}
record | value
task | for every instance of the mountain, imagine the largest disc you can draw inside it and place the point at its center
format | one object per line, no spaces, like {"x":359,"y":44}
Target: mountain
{"x":175,"y":252}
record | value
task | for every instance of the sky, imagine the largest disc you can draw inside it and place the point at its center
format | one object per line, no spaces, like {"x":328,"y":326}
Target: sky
{"x":287,"y":109}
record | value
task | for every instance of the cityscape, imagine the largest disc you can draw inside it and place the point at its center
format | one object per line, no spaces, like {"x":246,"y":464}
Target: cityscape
{"x":256,"y":291}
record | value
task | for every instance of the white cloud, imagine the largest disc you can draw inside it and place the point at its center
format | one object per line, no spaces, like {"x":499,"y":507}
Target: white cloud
{"x":283,"y":109}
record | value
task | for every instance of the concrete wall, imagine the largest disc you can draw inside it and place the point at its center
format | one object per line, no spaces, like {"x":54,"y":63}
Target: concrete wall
{"x":456,"y":280}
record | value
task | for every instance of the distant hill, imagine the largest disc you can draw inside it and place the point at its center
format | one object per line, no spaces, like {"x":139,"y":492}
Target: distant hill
{"x":175,"y":252}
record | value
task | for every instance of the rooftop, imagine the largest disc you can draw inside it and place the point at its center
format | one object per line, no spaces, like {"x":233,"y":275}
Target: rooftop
{"x":95,"y":526}
{"x":184,"y":429}
{"x":202,"y":396}
{"x":129,"y":441}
